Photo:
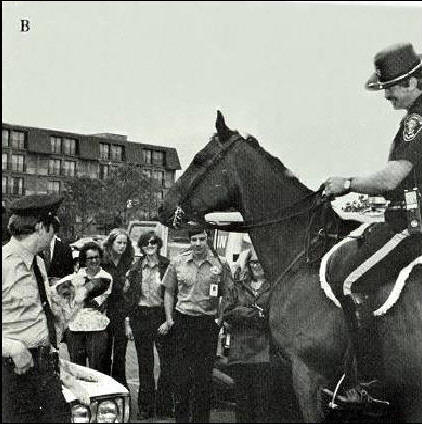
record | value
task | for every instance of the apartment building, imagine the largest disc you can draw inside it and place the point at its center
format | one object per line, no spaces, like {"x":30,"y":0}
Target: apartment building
{"x":39,"y":160}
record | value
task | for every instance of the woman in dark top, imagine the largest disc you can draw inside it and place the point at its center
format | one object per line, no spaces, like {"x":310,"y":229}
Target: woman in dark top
{"x":246,"y":318}
{"x":117,"y":260}
{"x":146,"y":315}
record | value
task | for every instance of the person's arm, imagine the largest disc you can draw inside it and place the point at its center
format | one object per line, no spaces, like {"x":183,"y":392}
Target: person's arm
{"x":382,"y":181}
{"x":169,"y":282}
{"x":17,"y":351}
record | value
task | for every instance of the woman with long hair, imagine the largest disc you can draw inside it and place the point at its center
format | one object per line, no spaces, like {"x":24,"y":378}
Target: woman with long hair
{"x":146,"y":317}
{"x":246,"y":320}
{"x":117,"y":260}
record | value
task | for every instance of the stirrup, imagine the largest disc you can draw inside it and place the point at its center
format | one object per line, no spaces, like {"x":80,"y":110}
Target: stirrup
{"x":357,"y":397}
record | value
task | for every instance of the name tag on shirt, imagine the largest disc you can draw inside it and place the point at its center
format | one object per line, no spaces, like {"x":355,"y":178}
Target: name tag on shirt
{"x":213,"y":290}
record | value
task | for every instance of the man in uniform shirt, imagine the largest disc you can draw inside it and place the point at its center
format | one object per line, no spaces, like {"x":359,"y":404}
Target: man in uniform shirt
{"x":200,"y":279}
{"x":31,"y":389}
{"x":399,"y":74}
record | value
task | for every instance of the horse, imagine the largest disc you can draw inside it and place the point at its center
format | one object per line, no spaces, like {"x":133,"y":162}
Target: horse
{"x":288,"y":226}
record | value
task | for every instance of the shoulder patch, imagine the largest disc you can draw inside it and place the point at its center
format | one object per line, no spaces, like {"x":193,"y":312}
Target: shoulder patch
{"x":411,"y":126}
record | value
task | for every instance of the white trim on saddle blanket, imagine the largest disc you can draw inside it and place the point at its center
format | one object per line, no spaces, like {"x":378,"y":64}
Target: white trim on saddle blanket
{"x":323,"y":267}
{"x":365,"y":266}
{"x":398,"y":287}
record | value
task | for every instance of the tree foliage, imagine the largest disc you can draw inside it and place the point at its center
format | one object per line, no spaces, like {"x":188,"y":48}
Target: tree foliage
{"x":107,"y":202}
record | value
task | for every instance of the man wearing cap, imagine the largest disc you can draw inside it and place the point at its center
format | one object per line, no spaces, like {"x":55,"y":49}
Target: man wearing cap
{"x":31,"y":389}
{"x":200,"y":278}
{"x":395,"y":244}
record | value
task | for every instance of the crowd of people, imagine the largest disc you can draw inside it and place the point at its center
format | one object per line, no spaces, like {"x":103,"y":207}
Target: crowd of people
{"x":175,"y":308}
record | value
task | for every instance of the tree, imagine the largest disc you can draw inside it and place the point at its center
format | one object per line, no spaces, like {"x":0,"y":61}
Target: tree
{"x":107,"y":202}
{"x":131,"y":190}
{"x":82,"y":201}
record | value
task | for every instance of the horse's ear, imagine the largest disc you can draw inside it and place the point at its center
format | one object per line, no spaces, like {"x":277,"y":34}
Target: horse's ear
{"x":223,"y":131}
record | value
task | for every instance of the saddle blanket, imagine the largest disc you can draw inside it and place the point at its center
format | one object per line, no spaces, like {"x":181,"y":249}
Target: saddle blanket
{"x":369,"y":258}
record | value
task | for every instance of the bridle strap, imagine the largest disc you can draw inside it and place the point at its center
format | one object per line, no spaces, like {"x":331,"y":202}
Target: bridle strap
{"x":224,"y":149}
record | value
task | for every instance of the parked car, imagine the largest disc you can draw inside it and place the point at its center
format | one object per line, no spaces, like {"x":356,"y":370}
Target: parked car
{"x":110,"y":401}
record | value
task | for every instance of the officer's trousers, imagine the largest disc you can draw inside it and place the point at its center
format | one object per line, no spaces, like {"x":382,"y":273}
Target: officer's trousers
{"x":34,"y":397}
{"x":195,"y":346}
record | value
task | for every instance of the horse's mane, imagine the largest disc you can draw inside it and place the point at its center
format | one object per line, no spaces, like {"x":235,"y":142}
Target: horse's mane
{"x":276,"y":163}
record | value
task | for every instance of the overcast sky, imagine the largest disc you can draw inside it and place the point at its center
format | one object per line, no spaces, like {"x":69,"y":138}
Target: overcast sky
{"x":292,"y":74}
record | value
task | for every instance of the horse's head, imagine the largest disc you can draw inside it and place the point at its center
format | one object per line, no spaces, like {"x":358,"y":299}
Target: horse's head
{"x":207,"y":184}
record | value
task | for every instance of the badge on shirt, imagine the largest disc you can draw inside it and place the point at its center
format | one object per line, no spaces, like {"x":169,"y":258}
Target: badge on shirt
{"x":412,"y":125}
{"x":213,"y":290}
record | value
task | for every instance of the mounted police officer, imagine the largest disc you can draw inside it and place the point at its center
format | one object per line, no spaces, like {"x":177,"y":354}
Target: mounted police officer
{"x":399,"y":74}
{"x":200,"y":278}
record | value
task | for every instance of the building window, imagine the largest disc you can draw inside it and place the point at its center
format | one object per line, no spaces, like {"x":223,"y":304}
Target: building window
{"x":158,"y":158}
{"x":69,"y":146}
{"x":104,"y":171}
{"x":17,"y":139}
{"x":159,"y":176}
{"x":53,"y":187}
{"x":4,"y":161}
{"x":56,"y":145}
{"x":4,"y":185}
{"x":16,"y":185}
{"x":4,"y":138}
{"x":54,"y":167}
{"x":147,"y":172}
{"x":104,"y":151}
{"x":69,"y":168}
{"x":117,"y":153}
{"x":18,"y":163}
{"x":147,"y":155}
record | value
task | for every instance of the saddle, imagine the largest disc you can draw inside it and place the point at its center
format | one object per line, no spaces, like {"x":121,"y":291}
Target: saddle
{"x":372,"y":261}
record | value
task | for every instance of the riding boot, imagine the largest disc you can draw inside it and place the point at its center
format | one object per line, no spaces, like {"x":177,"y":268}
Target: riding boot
{"x":364,"y":363}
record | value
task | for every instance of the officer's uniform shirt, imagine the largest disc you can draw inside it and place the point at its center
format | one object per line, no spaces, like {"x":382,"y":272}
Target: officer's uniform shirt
{"x":407,"y":145}
{"x":23,"y":317}
{"x":193,"y":283}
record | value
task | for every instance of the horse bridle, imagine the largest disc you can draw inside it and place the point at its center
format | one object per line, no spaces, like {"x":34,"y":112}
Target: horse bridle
{"x":179,"y":213}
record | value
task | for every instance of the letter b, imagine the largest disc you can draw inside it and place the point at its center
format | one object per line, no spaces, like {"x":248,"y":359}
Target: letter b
{"x":25,"y":25}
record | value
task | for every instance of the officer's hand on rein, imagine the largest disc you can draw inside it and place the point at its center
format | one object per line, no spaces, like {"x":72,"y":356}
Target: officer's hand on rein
{"x":335,"y":186}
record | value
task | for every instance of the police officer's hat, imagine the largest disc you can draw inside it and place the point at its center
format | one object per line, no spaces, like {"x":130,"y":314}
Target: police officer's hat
{"x":392,"y":65}
{"x":196,"y":229}
{"x":44,"y":206}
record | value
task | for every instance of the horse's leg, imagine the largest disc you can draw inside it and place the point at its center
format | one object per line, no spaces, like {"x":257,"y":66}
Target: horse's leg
{"x":307,"y":384}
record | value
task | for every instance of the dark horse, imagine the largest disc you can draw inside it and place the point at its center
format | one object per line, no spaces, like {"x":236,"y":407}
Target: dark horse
{"x":232,"y":172}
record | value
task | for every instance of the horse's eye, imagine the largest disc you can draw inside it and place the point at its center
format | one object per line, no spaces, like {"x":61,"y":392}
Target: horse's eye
{"x":199,"y":159}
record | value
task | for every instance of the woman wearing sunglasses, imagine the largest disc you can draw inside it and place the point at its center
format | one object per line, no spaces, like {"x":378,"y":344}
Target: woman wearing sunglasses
{"x":247,"y":339}
{"x":146,"y":315}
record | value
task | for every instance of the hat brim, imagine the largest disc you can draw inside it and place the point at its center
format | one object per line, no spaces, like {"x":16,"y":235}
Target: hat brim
{"x":375,"y":84}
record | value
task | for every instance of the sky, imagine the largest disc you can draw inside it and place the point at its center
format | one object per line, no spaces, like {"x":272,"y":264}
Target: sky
{"x":292,"y":74}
